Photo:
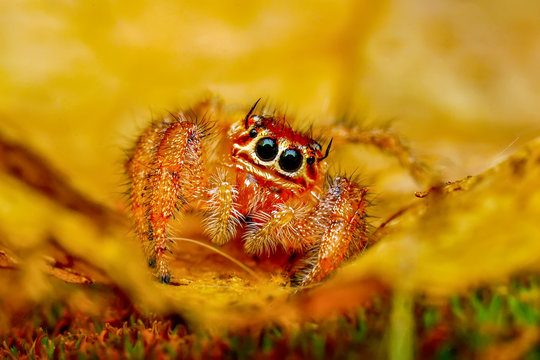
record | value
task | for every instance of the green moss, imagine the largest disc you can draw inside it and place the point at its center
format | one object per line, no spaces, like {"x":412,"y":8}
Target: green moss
{"x":463,"y":326}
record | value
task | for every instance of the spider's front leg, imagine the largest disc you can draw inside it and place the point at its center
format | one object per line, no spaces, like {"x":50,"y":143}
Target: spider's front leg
{"x":166,"y":170}
{"x":341,"y":214}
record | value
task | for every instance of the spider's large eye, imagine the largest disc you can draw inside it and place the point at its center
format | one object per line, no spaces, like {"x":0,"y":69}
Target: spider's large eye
{"x":266,"y":149}
{"x":290,"y":160}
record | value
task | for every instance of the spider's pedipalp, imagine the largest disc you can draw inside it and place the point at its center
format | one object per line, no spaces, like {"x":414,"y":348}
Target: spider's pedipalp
{"x":260,"y":234}
{"x":222,"y":215}
{"x":279,"y":226}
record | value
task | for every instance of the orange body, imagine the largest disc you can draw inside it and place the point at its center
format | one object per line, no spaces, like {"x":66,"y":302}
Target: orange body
{"x":272,"y":192}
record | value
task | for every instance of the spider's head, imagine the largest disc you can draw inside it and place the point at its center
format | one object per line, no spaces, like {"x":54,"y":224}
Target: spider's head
{"x":270,"y":150}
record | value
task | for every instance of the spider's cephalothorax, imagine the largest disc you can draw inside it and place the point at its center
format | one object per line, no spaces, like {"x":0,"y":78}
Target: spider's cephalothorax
{"x":276,"y":155}
{"x":270,"y":191}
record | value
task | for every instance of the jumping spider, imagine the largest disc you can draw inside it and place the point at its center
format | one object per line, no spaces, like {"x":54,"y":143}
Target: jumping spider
{"x":269,"y":190}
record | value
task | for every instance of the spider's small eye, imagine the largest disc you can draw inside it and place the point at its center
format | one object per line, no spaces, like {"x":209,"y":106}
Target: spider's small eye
{"x":266,"y":149}
{"x":253,"y":133}
{"x":290,"y":160}
{"x":310,"y":160}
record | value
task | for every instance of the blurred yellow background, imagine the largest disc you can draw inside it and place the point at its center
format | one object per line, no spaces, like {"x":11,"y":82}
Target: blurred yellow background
{"x":78,"y":79}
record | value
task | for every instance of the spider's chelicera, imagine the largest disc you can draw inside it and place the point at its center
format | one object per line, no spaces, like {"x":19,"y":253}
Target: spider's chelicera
{"x":270,"y":191}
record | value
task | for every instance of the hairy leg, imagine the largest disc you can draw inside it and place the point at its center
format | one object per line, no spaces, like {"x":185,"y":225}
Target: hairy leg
{"x":171,"y":154}
{"x":139,"y":167}
{"x":345,"y":204}
{"x":385,"y":140}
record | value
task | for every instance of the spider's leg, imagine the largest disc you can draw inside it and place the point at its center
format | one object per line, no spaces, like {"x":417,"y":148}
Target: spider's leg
{"x":385,"y":140}
{"x":175,"y":175}
{"x":345,"y":228}
{"x":139,"y":167}
{"x":222,"y":216}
